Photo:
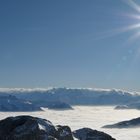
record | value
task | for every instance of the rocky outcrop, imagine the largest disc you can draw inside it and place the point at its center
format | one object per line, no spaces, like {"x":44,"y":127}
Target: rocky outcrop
{"x":32,"y":128}
{"x":125,"y":124}
{"x":89,"y":134}
{"x":25,"y":128}
{"x":119,"y":107}
{"x":64,"y":133}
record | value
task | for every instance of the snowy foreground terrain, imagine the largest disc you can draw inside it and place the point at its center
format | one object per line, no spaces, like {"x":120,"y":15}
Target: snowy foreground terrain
{"x":89,"y":116}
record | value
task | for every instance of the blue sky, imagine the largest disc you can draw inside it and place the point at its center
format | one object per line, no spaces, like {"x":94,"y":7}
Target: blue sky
{"x":72,"y":43}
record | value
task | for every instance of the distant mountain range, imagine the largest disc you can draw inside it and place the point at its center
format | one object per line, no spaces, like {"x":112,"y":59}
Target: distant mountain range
{"x":45,"y":97}
{"x":12,"y":103}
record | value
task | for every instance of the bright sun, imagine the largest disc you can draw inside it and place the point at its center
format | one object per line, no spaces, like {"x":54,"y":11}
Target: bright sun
{"x":136,"y":7}
{"x":134,"y":27}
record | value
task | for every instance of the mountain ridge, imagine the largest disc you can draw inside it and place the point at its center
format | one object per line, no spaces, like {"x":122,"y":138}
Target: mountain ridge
{"x":74,"y":96}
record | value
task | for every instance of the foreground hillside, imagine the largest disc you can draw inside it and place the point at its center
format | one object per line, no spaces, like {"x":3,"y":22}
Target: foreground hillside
{"x":32,"y":128}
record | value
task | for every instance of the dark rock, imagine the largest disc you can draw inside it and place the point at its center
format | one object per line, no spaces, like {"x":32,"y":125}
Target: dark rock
{"x":64,"y":133}
{"x":32,"y":128}
{"x":89,"y":134}
{"x":125,"y":124}
{"x":25,"y":128}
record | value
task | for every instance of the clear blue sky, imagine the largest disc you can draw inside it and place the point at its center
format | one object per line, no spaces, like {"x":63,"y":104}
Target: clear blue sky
{"x":72,"y":43}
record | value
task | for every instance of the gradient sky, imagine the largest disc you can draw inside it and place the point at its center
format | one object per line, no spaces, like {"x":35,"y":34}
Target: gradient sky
{"x":68,"y":43}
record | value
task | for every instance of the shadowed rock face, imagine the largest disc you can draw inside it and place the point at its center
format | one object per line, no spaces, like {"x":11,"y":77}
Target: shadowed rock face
{"x":125,"y":124}
{"x":25,"y":128}
{"x":32,"y":128}
{"x":89,"y":134}
{"x":64,"y":133}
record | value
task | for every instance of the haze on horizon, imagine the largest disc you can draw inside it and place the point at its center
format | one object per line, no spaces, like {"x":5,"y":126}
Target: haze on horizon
{"x":81,"y":43}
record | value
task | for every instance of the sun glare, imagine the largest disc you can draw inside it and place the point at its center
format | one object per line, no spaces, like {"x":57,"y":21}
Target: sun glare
{"x":133,"y":27}
{"x":136,"y":17}
{"x":133,"y":5}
